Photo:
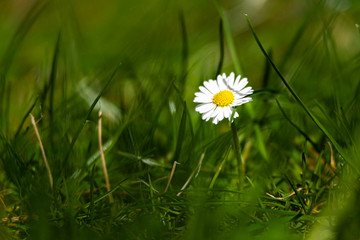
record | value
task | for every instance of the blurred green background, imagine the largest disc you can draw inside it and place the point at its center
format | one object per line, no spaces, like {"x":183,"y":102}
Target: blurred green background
{"x":57,"y":56}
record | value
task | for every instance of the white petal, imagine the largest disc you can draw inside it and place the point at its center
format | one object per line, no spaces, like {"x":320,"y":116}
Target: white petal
{"x":246,"y":91}
{"x":224,"y":75}
{"x":202,"y":108}
{"x":237,"y":80}
{"x":235,"y":116}
{"x":216,"y":112}
{"x":227,"y":112}
{"x":214,"y":86}
{"x":209,"y":86}
{"x":221,"y":83}
{"x":230,"y":80}
{"x":202,"y":100}
{"x":242,"y":101}
{"x":207,"y":116}
{"x":201,"y":94}
{"x":241,"y":84}
{"x":205,"y":91}
{"x":220,"y":116}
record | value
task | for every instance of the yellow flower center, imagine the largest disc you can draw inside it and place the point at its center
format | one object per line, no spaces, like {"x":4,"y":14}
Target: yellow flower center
{"x":223,"y":98}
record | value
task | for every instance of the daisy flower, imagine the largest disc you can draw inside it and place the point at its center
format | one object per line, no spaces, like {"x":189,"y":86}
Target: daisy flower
{"x":217,"y":98}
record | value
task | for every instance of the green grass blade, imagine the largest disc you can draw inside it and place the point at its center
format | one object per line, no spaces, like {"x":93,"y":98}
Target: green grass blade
{"x":91,"y":181}
{"x":221,"y":42}
{"x":78,"y":131}
{"x":26,"y":116}
{"x":261,"y":142}
{"x":52,"y":82}
{"x":219,"y":168}
{"x":7,"y":59}
{"x":181,"y":134}
{"x":297,"y":98}
{"x":160,"y":108}
{"x":229,"y":38}
{"x":267,"y":71}
{"x":6,"y":111}
{"x":296,"y":193}
{"x":2,"y":98}
{"x":106,"y":194}
{"x":184,"y":51}
{"x":151,"y":189}
{"x":297,"y":128}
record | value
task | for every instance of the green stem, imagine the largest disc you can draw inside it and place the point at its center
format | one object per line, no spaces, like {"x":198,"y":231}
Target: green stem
{"x":240,"y":161}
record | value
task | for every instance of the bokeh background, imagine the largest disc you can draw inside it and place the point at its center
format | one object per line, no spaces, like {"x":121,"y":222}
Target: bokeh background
{"x":56,"y":56}
{"x":145,"y":35}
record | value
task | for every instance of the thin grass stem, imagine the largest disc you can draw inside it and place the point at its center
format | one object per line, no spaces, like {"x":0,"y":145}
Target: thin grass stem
{"x":197,"y":169}
{"x":103,"y":161}
{"x":42,"y":151}
{"x":171,"y":176}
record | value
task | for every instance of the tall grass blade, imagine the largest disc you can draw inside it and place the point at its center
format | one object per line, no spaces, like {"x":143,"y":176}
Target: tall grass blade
{"x":52,"y":84}
{"x":160,"y":108}
{"x":296,"y":193}
{"x":24,"y":118}
{"x":312,"y":116}
{"x":221,"y":43}
{"x":6,"y":112}
{"x":9,"y":55}
{"x":184,"y":51}
{"x":297,"y":127}
{"x":181,"y":134}
{"x":78,"y":131}
{"x":219,"y":168}
{"x":229,"y":38}
{"x":267,"y":71}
